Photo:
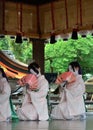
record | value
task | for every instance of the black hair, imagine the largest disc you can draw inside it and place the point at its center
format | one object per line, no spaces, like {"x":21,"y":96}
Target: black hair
{"x":34,"y":66}
{"x":3,"y":73}
{"x":75,"y":64}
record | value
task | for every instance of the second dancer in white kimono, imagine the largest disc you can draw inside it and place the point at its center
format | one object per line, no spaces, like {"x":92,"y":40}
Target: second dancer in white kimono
{"x":34,"y":106}
{"x":71,"y":105}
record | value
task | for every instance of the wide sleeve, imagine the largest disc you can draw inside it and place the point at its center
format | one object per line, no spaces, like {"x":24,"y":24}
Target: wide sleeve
{"x":6,"y":91}
{"x":43,"y":88}
{"x":77,"y":88}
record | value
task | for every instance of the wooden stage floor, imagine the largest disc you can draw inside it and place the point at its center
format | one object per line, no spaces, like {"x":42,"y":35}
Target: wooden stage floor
{"x":49,"y":125}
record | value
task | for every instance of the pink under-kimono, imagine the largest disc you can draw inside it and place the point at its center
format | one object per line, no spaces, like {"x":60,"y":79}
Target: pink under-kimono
{"x":5,"y":91}
{"x":71,"y":105}
{"x":34,"y":106}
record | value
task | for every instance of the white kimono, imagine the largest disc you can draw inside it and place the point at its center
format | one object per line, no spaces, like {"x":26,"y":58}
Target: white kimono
{"x":71,"y":105}
{"x":34,"y":106}
{"x":5,"y":110}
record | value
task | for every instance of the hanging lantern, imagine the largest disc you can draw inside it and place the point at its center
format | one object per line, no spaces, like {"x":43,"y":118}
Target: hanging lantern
{"x":19,"y":23}
{"x":52,"y":39}
{"x":18,"y":38}
{"x":74,"y":34}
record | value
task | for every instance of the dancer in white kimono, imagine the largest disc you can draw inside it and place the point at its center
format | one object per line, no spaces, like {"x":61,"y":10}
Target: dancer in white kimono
{"x":34,"y":106}
{"x":71,"y":105}
{"x":5,"y":91}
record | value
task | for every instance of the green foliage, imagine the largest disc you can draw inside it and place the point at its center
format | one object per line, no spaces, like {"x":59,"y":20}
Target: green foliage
{"x":4,"y":44}
{"x":60,"y":54}
{"x":22,"y":52}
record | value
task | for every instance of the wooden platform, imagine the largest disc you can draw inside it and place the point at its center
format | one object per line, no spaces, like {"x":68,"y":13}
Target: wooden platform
{"x":49,"y":125}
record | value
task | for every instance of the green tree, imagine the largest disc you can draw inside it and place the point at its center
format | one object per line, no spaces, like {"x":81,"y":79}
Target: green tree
{"x":58,"y":55}
{"x":4,"y":44}
{"x":22,"y":52}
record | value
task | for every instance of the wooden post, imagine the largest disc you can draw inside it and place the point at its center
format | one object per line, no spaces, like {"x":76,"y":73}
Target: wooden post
{"x":38,"y":52}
